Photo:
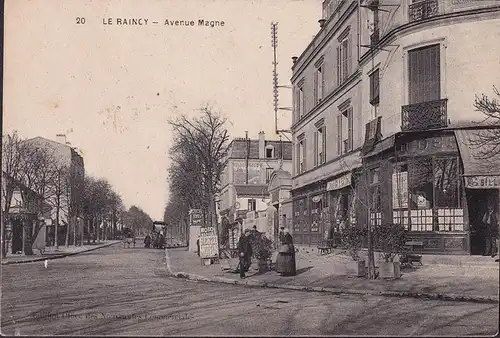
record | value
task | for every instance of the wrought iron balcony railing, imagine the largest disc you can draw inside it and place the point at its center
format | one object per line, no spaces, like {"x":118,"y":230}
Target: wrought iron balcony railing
{"x":424,"y":9}
{"x":425,"y":115}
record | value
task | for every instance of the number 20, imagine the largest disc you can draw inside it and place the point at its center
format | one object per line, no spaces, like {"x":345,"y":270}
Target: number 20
{"x":80,"y":21}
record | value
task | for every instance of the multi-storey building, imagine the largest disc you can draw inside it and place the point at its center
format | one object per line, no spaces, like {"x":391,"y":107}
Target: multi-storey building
{"x":394,"y":83}
{"x":245,"y":180}
{"x":70,"y":158}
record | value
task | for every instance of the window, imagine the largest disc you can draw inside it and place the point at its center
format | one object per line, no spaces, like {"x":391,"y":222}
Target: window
{"x":319,"y":84}
{"x":252,"y":204}
{"x":269,"y":152}
{"x":300,"y":103}
{"x":374,"y":88}
{"x":345,"y":131}
{"x":269,"y":172}
{"x":343,"y":60}
{"x":434,"y":194}
{"x":320,"y":146}
{"x":301,"y":156}
{"x":424,"y":74}
{"x":374,"y":195}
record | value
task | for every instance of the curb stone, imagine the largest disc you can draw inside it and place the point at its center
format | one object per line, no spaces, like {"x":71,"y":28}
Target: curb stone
{"x":62,"y":255}
{"x":303,"y":288}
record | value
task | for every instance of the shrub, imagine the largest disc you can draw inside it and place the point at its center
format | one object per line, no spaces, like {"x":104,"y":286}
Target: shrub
{"x":390,"y":238}
{"x":262,"y":247}
{"x":352,"y":240}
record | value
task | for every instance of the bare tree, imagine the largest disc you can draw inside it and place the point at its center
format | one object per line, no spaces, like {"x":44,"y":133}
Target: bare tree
{"x":13,"y":152}
{"x":488,"y":140}
{"x":59,"y":187}
{"x":208,"y":139}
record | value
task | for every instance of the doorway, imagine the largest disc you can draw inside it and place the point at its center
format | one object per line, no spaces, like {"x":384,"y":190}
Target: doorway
{"x":17,"y":235}
{"x":477,"y":202}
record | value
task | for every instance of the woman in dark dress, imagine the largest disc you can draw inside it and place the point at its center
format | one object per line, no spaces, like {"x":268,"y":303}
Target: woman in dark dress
{"x":288,"y":267}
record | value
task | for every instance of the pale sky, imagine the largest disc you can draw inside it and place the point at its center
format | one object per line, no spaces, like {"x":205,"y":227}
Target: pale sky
{"x":111,"y":88}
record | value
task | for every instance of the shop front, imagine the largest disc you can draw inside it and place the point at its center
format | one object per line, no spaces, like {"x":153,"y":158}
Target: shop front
{"x":426,"y":183}
{"x":321,"y":209}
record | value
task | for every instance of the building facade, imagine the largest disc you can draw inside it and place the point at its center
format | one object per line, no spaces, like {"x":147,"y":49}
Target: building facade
{"x":69,"y":158}
{"x":406,"y":90}
{"x":245,"y":180}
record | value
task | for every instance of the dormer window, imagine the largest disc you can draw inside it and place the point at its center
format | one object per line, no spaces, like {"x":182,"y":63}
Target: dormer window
{"x":269,"y":152}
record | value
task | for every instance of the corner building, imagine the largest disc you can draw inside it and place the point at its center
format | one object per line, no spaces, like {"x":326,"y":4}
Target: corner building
{"x":384,"y":118}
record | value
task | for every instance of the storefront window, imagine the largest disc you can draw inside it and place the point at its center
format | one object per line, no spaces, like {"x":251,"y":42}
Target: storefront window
{"x":426,"y":194}
{"x":374,"y":194}
{"x":446,"y":182}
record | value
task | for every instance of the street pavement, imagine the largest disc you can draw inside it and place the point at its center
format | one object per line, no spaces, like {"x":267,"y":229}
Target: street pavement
{"x":122,"y":291}
{"x":472,"y":278}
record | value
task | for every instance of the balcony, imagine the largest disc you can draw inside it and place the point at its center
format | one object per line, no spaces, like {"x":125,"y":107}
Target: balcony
{"x":420,"y":10}
{"x":424,"y":115}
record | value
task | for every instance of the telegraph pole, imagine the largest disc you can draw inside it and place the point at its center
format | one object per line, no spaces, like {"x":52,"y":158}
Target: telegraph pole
{"x":274,"y":44}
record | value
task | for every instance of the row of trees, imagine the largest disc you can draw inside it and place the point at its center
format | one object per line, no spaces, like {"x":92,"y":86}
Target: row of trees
{"x":198,"y":157}
{"x":46,"y":180}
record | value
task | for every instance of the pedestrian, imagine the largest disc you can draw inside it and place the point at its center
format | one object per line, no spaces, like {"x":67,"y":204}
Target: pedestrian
{"x":287,"y":252}
{"x":245,"y":254}
{"x":198,"y":247}
{"x":147,"y":241}
{"x":490,"y":228}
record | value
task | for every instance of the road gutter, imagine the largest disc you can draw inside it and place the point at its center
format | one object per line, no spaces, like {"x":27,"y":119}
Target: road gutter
{"x":62,"y":255}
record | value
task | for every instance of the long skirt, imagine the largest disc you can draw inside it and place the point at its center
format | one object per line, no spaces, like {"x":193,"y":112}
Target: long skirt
{"x":287,"y":264}
{"x":279,"y":263}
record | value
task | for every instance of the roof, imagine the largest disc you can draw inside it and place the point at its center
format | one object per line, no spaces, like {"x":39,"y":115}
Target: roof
{"x":239,"y":148}
{"x":280,"y":178}
{"x":251,"y":190}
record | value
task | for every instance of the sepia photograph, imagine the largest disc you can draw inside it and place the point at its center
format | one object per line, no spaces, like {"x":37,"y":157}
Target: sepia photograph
{"x":250,"y":168}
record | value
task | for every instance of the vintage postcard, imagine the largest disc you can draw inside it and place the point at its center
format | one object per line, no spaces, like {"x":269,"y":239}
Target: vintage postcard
{"x":250,"y":168}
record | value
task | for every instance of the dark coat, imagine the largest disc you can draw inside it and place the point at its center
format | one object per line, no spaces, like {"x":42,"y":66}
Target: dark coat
{"x":245,"y":247}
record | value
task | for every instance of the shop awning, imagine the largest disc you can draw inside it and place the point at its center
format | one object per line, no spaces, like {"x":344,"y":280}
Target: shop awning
{"x":381,"y":146}
{"x":481,"y":164}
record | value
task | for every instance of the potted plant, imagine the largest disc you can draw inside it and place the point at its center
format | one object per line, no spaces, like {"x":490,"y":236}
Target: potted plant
{"x":262,"y":248}
{"x":390,"y":239}
{"x":352,"y":240}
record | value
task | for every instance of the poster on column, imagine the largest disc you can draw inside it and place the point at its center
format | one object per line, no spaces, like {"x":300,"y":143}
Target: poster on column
{"x":209,"y":246}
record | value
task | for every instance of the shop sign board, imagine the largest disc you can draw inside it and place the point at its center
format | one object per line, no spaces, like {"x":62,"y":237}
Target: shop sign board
{"x":339,"y":183}
{"x":209,"y":246}
{"x":196,"y":216}
{"x":432,"y":145}
{"x":482,"y":182}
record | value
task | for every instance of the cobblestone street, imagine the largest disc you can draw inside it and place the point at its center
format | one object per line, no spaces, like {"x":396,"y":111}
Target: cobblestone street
{"x":114,"y":291}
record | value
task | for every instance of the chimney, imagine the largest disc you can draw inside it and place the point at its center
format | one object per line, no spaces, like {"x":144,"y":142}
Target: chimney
{"x":321,"y":23}
{"x":262,"y":145}
{"x":294,"y":59}
{"x":61,"y":138}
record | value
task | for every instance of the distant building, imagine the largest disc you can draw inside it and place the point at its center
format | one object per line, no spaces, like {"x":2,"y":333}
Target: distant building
{"x":69,"y":156}
{"x":246,"y":177}
{"x":26,"y":212}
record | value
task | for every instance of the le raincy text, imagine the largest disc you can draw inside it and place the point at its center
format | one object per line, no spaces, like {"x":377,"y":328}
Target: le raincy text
{"x":167,"y":22}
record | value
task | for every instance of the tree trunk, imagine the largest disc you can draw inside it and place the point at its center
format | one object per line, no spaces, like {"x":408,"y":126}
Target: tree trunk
{"x":74,"y":231}
{"x":56,"y":229}
{"x":88,"y":231}
{"x":68,"y":227}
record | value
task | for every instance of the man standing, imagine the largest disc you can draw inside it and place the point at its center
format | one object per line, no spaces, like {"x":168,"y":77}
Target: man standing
{"x":245,"y":253}
{"x":490,"y":229}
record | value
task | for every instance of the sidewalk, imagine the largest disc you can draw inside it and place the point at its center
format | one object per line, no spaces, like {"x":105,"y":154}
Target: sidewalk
{"x":51,"y":253}
{"x":458,"y":278}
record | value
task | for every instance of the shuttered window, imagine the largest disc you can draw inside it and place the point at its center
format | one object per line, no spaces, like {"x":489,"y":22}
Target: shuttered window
{"x":339,"y":135}
{"x":424,"y":74}
{"x":343,"y":60}
{"x":374,"y":87}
